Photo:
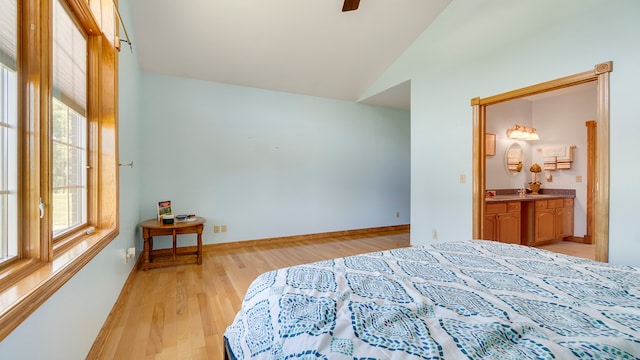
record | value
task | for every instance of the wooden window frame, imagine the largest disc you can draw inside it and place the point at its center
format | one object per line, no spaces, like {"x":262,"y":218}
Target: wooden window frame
{"x":43,"y":267}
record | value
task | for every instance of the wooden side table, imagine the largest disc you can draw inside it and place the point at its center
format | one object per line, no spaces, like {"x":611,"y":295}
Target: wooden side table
{"x":176,"y":255}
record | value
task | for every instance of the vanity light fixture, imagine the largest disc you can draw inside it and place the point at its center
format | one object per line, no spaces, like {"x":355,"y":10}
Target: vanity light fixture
{"x":519,"y":132}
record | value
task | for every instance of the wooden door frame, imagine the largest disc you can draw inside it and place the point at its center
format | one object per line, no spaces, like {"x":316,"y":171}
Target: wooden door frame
{"x":600,"y":74}
{"x":592,"y":139}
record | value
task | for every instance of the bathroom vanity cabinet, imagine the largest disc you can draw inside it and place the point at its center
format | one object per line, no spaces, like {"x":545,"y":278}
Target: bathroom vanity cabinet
{"x":528,"y":220}
{"x":502,"y":222}
{"x":553,"y":220}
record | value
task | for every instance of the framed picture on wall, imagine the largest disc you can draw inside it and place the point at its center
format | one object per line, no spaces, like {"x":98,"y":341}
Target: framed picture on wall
{"x":490,"y":144}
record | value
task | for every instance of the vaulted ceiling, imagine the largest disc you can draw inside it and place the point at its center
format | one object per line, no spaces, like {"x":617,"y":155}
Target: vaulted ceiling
{"x":305,"y":47}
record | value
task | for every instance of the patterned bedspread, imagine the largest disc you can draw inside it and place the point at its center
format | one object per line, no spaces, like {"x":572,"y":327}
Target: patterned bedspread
{"x":470,"y":299}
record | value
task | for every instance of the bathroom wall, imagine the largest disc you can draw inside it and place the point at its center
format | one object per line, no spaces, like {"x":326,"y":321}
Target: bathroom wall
{"x":501,"y":117}
{"x":559,"y":120}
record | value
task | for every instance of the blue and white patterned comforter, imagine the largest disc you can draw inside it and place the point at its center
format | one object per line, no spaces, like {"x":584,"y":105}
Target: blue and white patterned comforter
{"x":471,"y":299}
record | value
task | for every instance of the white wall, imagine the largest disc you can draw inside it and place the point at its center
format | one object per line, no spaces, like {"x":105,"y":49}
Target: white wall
{"x":561,"y":121}
{"x":501,"y":117}
{"x":479,"y":48}
{"x":66,"y":325}
{"x":270,"y":164}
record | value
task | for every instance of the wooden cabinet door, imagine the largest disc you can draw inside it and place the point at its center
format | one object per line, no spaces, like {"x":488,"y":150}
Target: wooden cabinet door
{"x":509,"y":228}
{"x":489,"y":228}
{"x":545,"y":228}
{"x":502,"y":222}
{"x":564,"y":222}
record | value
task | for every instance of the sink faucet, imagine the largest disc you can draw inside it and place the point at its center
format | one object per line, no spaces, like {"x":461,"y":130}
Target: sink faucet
{"x":522,"y":192}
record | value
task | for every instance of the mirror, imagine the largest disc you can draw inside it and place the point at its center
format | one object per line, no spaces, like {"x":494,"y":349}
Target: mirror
{"x":513,"y":158}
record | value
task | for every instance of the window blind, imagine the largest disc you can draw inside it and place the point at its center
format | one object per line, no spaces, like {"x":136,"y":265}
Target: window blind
{"x":69,"y":61}
{"x":8,"y":33}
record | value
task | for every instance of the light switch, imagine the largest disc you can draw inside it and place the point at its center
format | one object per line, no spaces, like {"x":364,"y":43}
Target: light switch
{"x":463,"y":178}
{"x":578,"y":178}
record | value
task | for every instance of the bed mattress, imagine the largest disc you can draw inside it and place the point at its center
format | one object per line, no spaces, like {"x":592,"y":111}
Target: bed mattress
{"x":469,"y":299}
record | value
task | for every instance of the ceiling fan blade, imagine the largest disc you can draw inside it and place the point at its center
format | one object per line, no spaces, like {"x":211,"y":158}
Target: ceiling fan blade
{"x":350,"y":5}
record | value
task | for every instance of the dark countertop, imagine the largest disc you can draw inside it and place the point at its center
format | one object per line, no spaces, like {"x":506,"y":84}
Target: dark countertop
{"x":528,"y":197}
{"x":545,"y":194}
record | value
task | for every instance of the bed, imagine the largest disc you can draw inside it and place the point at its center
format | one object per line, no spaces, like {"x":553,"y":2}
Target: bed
{"x":471,"y":299}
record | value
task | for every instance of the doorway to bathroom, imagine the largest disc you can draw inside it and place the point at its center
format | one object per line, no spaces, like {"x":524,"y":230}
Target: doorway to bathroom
{"x":598,"y":222}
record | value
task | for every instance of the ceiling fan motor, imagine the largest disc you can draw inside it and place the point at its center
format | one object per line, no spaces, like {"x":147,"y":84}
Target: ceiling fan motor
{"x":350,"y":5}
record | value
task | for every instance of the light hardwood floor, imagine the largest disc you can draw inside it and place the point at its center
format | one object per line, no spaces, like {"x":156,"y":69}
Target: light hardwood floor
{"x":181,"y":312}
{"x":572,"y":248}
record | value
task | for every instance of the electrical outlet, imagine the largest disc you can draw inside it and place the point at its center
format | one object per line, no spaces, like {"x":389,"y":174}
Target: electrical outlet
{"x":397,"y":214}
{"x":463,"y":178}
{"x":130,"y":253}
{"x":578,"y":178}
{"x":434,"y":234}
{"x":223,"y":228}
{"x":216,"y":228}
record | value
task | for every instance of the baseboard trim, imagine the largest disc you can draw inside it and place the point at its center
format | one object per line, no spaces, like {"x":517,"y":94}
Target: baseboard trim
{"x":575,"y":239}
{"x":285,"y":239}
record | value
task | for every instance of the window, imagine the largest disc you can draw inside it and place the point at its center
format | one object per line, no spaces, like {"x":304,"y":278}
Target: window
{"x":69,"y":175}
{"x":8,"y":131}
{"x":8,"y":155}
{"x":69,"y":124}
{"x":58,"y":146}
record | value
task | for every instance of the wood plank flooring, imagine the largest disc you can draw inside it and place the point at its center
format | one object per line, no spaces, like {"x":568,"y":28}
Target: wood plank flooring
{"x":181,"y":312}
{"x":572,"y":248}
